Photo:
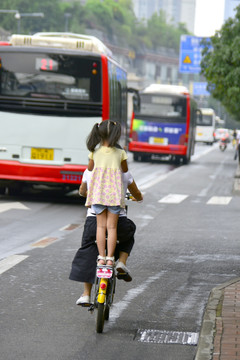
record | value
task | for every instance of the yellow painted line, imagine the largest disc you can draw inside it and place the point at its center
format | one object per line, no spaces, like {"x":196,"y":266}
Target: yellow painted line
{"x":44,"y":242}
{"x":11,"y":261}
{"x":70,"y":227}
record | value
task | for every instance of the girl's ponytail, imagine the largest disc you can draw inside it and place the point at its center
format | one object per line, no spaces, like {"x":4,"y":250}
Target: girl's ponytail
{"x":93,"y":138}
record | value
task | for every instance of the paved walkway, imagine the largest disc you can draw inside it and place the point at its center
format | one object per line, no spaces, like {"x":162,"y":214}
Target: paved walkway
{"x":219,"y":337}
{"x":220,"y":332}
{"x":227,"y":336}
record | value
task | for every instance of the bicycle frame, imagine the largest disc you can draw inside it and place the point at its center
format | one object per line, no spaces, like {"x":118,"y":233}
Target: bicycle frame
{"x":104,"y":273}
{"x":103,"y":295}
{"x":104,"y":291}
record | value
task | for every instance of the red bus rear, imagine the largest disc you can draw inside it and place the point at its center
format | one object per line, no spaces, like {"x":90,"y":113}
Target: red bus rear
{"x":165,"y":124}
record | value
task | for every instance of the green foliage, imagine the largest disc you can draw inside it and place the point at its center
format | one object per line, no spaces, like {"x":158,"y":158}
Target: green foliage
{"x":52,"y":21}
{"x":115,"y":19}
{"x":221,"y":65}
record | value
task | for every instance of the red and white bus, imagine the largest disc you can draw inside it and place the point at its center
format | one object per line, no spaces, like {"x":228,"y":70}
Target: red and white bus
{"x":53,"y":88}
{"x":165,"y":124}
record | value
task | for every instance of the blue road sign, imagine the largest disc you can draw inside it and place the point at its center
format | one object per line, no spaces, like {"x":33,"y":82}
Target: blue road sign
{"x":200,"y":89}
{"x":190,"y":54}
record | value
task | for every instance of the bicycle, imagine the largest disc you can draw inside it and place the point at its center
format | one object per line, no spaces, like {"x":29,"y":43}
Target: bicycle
{"x":105,"y":286}
{"x":104,"y":290}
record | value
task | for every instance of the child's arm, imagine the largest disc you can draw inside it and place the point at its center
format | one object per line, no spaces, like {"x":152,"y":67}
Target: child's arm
{"x":90,"y":165}
{"x":124,"y":166}
{"x":136,"y":193}
{"x":83,"y":189}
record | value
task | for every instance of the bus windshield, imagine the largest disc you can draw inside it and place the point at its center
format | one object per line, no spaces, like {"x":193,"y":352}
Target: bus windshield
{"x":53,"y":76}
{"x":170,"y":107}
{"x":205,"y":120}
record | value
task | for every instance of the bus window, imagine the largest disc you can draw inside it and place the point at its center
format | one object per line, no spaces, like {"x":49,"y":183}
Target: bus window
{"x":69,"y":77}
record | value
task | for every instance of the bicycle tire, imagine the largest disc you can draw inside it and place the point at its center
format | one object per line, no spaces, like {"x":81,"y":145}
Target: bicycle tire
{"x":106,"y":312}
{"x":100,"y":317}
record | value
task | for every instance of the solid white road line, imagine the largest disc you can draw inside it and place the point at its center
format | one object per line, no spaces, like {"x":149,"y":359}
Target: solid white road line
{"x":11,"y":261}
{"x":154,"y":178}
{"x":131,"y":294}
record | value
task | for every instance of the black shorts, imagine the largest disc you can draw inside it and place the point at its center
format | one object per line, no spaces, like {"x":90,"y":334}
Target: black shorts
{"x":84,"y":262}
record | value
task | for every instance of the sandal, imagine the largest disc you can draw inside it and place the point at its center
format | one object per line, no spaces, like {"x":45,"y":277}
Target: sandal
{"x":112,"y":259}
{"x":102,"y":259}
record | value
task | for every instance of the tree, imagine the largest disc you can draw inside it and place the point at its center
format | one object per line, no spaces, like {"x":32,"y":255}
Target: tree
{"x":163,"y":34}
{"x":221,"y":65}
{"x":53,"y":16}
{"x":115,"y":19}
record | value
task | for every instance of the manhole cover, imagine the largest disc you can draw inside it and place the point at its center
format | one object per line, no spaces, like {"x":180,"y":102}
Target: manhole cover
{"x":166,"y":337}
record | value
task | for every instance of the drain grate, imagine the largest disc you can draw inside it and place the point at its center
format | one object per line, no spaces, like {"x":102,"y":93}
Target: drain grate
{"x":166,"y":337}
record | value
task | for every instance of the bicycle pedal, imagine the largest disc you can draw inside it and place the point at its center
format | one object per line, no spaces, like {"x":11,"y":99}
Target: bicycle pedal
{"x":85,"y":305}
{"x":124,"y":276}
{"x":121,"y":275}
{"x":91,"y":308}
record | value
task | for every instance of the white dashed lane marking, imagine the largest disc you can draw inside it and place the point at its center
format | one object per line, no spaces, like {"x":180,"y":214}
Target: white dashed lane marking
{"x":12,"y":205}
{"x":11,"y":261}
{"x":178,"y":198}
{"x":219,"y":200}
{"x":173,"y":199}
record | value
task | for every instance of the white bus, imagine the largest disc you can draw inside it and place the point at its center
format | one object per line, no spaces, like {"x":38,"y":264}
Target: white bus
{"x":206,"y":126}
{"x":53,"y":88}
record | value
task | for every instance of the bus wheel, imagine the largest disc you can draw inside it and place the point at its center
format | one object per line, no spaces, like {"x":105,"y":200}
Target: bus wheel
{"x":15,"y":190}
{"x":137,"y":157}
{"x":177,"y":160}
{"x":145,"y":157}
{"x":2,"y":190}
{"x":186,"y":159}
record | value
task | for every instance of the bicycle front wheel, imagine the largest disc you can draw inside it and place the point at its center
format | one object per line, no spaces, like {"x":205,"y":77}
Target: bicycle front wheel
{"x":100,"y":318}
{"x":106,"y":312}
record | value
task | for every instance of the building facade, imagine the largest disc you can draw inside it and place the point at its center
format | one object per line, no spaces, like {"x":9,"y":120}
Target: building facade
{"x":229,"y":10}
{"x":176,"y":10}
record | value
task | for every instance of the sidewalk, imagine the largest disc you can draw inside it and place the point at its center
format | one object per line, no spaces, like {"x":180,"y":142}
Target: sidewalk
{"x":219,"y":337}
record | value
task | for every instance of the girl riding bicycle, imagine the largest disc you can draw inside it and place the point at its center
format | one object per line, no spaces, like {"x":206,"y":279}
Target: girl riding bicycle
{"x":106,"y":192}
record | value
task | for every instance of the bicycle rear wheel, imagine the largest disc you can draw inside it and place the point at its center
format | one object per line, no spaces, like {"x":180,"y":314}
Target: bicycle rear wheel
{"x":100,"y":318}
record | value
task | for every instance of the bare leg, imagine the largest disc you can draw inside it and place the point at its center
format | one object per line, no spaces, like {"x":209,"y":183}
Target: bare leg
{"x":123,"y":272}
{"x":112,"y":220}
{"x":101,"y":234}
{"x":87,"y":289}
{"x":123,"y":256}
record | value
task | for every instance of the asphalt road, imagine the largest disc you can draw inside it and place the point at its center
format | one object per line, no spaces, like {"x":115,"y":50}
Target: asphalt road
{"x":187,"y":242}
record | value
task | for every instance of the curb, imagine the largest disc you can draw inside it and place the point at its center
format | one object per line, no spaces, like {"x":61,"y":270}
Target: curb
{"x":213,"y":311}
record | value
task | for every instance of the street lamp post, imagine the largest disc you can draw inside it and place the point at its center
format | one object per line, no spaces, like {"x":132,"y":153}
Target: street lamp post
{"x":5,"y":11}
{"x":19,"y":15}
{"x":67,"y":16}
